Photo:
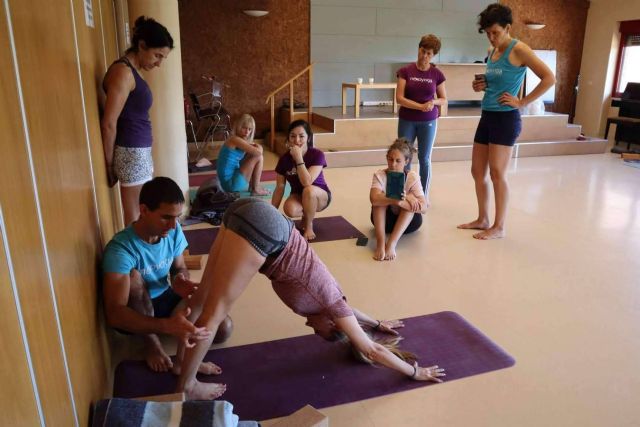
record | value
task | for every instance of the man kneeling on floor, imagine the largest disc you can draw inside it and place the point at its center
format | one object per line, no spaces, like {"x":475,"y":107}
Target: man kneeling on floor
{"x":146,"y":281}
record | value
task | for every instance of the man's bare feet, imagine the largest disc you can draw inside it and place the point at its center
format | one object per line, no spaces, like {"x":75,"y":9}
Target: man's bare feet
{"x":390,"y":252}
{"x":206,"y":368}
{"x":155,"y":356}
{"x":260,"y":191}
{"x":478,"y":224}
{"x":492,"y":233}
{"x":204,"y":391}
{"x":379,"y":254}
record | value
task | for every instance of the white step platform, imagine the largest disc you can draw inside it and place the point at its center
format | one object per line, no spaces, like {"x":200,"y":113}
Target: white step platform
{"x":348,"y":141}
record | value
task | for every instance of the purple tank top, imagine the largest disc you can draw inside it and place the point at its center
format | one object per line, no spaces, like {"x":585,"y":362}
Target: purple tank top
{"x":134,"y":126}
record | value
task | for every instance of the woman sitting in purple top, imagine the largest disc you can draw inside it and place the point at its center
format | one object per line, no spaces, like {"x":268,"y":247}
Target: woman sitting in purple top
{"x":418,"y":85}
{"x":302,"y":168}
{"x":255,"y":237}
{"x":125,"y":125}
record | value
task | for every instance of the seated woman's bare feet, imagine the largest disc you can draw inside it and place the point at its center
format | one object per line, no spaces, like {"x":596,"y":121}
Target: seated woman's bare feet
{"x":206,"y":368}
{"x":390,"y":252}
{"x":478,"y":224}
{"x":260,"y":191}
{"x":379,"y":254}
{"x":204,"y":391}
{"x":491,"y":233}
{"x":156,"y":358}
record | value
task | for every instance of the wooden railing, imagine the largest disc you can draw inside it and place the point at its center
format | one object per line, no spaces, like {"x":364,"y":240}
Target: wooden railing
{"x":272,"y":98}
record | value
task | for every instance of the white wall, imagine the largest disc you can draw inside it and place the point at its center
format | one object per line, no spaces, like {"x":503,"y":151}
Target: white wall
{"x":599,"y":55}
{"x":373,"y":38}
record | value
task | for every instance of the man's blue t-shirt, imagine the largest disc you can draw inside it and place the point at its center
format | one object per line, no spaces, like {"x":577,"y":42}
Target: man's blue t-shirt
{"x":127,"y":251}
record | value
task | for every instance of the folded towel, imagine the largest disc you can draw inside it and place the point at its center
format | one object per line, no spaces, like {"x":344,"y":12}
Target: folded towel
{"x":138,"y":413}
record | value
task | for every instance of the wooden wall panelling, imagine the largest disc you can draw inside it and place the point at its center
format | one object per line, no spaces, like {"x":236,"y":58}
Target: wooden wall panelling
{"x":93,"y":65}
{"x":47,"y":59}
{"x":26,"y":245}
{"x":19,"y":406}
{"x":93,"y":44}
{"x":566,"y":22}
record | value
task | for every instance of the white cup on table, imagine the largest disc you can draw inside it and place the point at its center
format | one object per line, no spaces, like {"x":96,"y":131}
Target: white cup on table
{"x":370,"y":80}
{"x":359,"y":79}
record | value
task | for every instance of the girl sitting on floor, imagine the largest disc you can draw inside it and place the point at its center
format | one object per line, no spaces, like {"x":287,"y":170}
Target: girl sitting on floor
{"x":254,"y":238}
{"x":302,"y":168}
{"x":240,"y":160}
{"x":395,"y":216}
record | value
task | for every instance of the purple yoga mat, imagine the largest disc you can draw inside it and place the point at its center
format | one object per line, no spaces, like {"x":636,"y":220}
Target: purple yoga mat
{"x":327,"y":229}
{"x":275,"y":378}
{"x":197,"y":180}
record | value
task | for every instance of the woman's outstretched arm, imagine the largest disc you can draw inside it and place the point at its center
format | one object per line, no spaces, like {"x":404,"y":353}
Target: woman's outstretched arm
{"x":379,"y":354}
{"x":387,"y":326}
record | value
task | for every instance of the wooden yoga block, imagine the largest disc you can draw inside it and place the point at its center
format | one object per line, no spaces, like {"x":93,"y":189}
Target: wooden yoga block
{"x":631,"y":156}
{"x":173,"y":397}
{"x":193,"y":262}
{"x":305,"y":417}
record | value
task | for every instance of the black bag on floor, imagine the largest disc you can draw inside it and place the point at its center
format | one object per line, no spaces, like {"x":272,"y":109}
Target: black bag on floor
{"x":211,"y":198}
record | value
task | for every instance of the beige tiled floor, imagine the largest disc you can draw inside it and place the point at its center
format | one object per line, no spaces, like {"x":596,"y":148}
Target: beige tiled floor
{"x":561,"y":294}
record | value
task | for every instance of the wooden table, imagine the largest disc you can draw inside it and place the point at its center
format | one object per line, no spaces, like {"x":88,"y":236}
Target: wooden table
{"x":358,"y":87}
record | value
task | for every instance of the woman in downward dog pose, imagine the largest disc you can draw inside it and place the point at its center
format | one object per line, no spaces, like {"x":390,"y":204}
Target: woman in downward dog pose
{"x":254,"y":238}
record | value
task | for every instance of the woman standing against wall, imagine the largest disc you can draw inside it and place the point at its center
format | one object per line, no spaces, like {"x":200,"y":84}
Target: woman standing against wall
{"x":418,"y":85}
{"x":500,"y":122}
{"x":125,"y":124}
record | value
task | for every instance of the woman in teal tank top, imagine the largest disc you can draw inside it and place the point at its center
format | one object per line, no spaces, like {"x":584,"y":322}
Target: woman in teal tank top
{"x":239,"y":164}
{"x":500,"y":122}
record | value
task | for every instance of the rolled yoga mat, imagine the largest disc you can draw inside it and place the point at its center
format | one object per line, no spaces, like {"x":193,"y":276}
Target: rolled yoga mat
{"x":275,"y":378}
{"x":327,"y":229}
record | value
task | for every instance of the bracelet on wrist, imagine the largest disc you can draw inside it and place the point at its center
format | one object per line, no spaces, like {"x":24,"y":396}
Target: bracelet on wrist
{"x":415,"y":371}
{"x":299,"y":164}
{"x":377,"y":327}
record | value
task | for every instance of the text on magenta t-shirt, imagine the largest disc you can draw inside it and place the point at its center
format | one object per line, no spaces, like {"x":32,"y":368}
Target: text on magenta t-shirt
{"x":420,"y":87}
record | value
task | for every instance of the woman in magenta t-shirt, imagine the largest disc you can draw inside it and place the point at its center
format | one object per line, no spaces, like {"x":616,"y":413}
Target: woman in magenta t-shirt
{"x":418,"y":85}
{"x":302,"y":168}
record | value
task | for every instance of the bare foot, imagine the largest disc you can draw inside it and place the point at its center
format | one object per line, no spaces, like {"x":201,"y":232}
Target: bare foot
{"x":206,"y":368}
{"x":390,"y":252}
{"x":204,"y":391}
{"x":156,"y":358}
{"x":475,"y":225}
{"x":492,"y":233}
{"x":379,"y":253}
{"x":209,"y":368}
{"x":309,"y":234}
{"x":260,"y":191}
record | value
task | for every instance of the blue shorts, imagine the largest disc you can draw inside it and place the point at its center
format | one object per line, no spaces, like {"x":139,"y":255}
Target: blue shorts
{"x":165,"y":303}
{"x":163,"y":306}
{"x":498,"y":127}
{"x":237,"y":182}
